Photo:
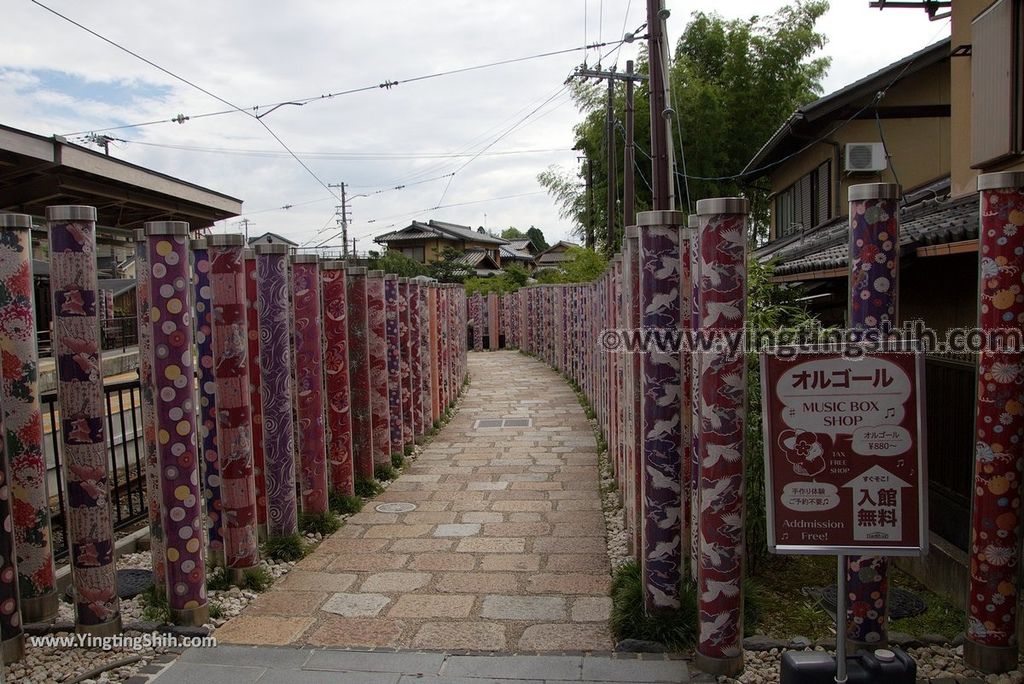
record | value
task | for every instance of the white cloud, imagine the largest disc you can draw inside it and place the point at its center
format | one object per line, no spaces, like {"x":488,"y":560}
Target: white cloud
{"x":259,"y":52}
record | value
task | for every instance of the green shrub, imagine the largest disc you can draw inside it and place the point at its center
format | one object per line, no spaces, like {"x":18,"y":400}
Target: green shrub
{"x":367,"y":488}
{"x":322,"y":523}
{"x":289,"y":547}
{"x":217,"y":580}
{"x":344,"y":503}
{"x":257,"y":579}
{"x":677,"y":630}
{"x":384,"y":472}
{"x":216,"y":612}
{"x":154,"y":605}
{"x":397,"y":460}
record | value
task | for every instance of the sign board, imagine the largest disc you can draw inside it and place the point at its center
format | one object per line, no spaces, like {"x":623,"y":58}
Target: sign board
{"x":844,"y":442}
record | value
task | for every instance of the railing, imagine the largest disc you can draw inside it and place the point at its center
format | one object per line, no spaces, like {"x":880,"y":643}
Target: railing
{"x":127,"y":470}
{"x":115,"y":333}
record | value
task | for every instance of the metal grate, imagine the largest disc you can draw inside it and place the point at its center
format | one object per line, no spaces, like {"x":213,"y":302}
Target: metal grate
{"x":504,"y":423}
{"x":397,"y":507}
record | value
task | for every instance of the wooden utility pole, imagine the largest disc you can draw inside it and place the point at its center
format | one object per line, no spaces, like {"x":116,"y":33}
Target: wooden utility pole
{"x":661,"y":132}
{"x":588,"y":240}
{"x":343,"y":221}
{"x":628,"y":180}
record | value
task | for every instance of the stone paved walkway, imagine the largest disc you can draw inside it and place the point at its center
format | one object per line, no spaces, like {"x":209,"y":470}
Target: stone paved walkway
{"x":505,"y":550}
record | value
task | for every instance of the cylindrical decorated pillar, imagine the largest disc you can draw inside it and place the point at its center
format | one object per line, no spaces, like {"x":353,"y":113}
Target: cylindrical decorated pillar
{"x":633,"y":322}
{"x":493,"y":322}
{"x":22,"y":424}
{"x":341,"y":475}
{"x":207,"y":419}
{"x":230,"y":349}
{"x":76,"y":349}
{"x":309,"y":374}
{"x":478,"y":322}
{"x":415,"y":357}
{"x":393,"y":344}
{"x":723,"y":245}
{"x":994,"y":591}
{"x":359,"y":369}
{"x":433,"y":357}
{"x":176,"y":447}
{"x":376,"y":314}
{"x":276,"y":388}
{"x":874,"y":285}
{"x":694,"y":483}
{"x":255,"y":394}
{"x":405,"y":345}
{"x":662,"y":430}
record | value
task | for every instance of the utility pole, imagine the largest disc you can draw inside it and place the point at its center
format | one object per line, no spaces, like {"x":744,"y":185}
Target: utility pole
{"x":354,"y":241}
{"x":612,"y":235}
{"x":661,"y":131}
{"x":589,"y":238}
{"x":343,"y":221}
{"x":245,"y":223}
{"x":629,"y":156}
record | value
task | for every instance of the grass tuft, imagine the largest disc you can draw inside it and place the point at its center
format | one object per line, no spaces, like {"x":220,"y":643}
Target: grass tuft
{"x":344,"y":503}
{"x":323,"y":523}
{"x":289,"y":547}
{"x":257,"y":579}
{"x":216,"y":612}
{"x":154,"y":605}
{"x":677,"y":630}
{"x":398,"y":459}
{"x":384,"y":472}
{"x":368,"y":488}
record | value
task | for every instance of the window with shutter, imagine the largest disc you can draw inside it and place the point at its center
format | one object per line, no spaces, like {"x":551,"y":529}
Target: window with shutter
{"x":822,"y":193}
{"x":995,"y":83}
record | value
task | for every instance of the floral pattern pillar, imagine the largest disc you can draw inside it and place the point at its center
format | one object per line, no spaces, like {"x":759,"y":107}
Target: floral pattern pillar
{"x":434,"y":359}
{"x":276,"y":388}
{"x":22,"y":424}
{"x":994,"y":592}
{"x":341,"y":473}
{"x":230,"y":349}
{"x":376,"y":312}
{"x":76,"y":349}
{"x":405,"y":361}
{"x":393,"y":341}
{"x":478,"y":322}
{"x":176,"y":445}
{"x":416,"y":357}
{"x":874,"y":279}
{"x":207,"y":419}
{"x":359,"y":369}
{"x":256,"y":394}
{"x":309,"y":378}
{"x":662,"y":431}
{"x":493,"y":322}
{"x":694,"y":483}
{"x":723,"y":239}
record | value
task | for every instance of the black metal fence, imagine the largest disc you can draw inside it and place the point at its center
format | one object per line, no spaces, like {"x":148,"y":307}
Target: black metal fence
{"x":115,"y":333}
{"x":126,"y":460}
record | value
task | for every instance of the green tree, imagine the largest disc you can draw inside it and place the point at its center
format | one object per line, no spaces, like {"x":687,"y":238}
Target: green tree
{"x":510,"y":279}
{"x":512,"y":233}
{"x":582,"y":266}
{"x":396,"y":262}
{"x":448,"y":269}
{"x":733,"y":83}
{"x":536,"y":236}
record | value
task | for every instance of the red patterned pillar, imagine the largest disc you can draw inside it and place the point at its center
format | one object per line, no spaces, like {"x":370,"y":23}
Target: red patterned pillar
{"x":393,"y":342}
{"x":433,"y":359}
{"x":405,"y":344}
{"x":76,"y":350}
{"x":493,"y":322}
{"x":723,"y":242}
{"x":359,"y":370}
{"x":234,"y":428}
{"x":376,"y":313}
{"x":256,"y":405}
{"x":416,"y":357}
{"x":994,"y":593}
{"x":341,"y":475}
{"x":311,"y":448}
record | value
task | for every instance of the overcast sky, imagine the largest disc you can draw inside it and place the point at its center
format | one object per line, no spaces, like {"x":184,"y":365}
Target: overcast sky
{"x":57,"y":79}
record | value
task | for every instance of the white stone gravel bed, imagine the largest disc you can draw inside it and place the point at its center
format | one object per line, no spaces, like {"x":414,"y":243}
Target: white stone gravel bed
{"x":938,"y":663}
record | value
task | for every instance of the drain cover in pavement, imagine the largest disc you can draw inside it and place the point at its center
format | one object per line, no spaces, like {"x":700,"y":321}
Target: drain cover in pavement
{"x":395,"y":507}
{"x":902,"y":602}
{"x":130,"y":583}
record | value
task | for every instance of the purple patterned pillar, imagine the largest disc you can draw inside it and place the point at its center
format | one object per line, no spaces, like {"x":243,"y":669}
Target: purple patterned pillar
{"x":993,"y":596}
{"x":276,"y":388}
{"x":76,"y":348}
{"x":442,"y":344}
{"x":309,"y":379}
{"x":416,"y":358}
{"x":207,"y":419}
{"x":253,"y":327}
{"x":662,"y":429}
{"x":694,"y":483}
{"x":177,"y":451}
{"x":723,"y":241}
{"x":393,"y":340}
{"x":376,"y":313}
{"x":359,"y":371}
{"x":874,"y":285}
{"x":478,"y":322}
{"x":22,"y":424}
{"x":405,"y":345}
{"x":230,"y":348}
{"x":341,"y":473}
{"x":686,"y":367}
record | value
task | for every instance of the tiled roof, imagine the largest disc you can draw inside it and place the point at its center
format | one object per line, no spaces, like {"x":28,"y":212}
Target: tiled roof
{"x":523,"y":244}
{"x":439,"y":230}
{"x":511,"y":252}
{"x":927,"y":222}
{"x":272,"y":237}
{"x":476,"y":258}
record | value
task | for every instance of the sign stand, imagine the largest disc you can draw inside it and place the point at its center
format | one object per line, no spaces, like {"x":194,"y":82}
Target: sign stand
{"x":841,"y":619}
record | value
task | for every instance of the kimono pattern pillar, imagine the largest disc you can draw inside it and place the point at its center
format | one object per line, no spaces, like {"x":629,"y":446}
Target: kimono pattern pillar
{"x":22,"y":424}
{"x":635,"y":403}
{"x":434,"y":355}
{"x":359,"y":370}
{"x":76,"y":349}
{"x":207,"y":419}
{"x":341,"y":475}
{"x":230,"y":349}
{"x":416,"y":358}
{"x":874,"y":292}
{"x":253,"y":326}
{"x":662,"y":431}
{"x":376,"y":314}
{"x":147,"y":399}
{"x":493,"y":322}
{"x":723,"y":240}
{"x":405,"y":344}
{"x":177,"y":451}
{"x":276,"y":388}
{"x":694,"y":483}
{"x":309,"y":393}
{"x":393,"y":342}
{"x":994,"y":589}
{"x":479,"y":315}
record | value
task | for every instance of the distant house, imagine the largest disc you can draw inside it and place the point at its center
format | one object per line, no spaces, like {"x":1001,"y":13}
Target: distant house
{"x":554,"y":255}
{"x":510,"y":254}
{"x":480,"y":261}
{"x":269,"y":238}
{"x":524,"y":245}
{"x":426,"y":241}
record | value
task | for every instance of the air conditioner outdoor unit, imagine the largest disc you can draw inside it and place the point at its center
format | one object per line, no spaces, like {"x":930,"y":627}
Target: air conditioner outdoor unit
{"x":862,"y":157}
